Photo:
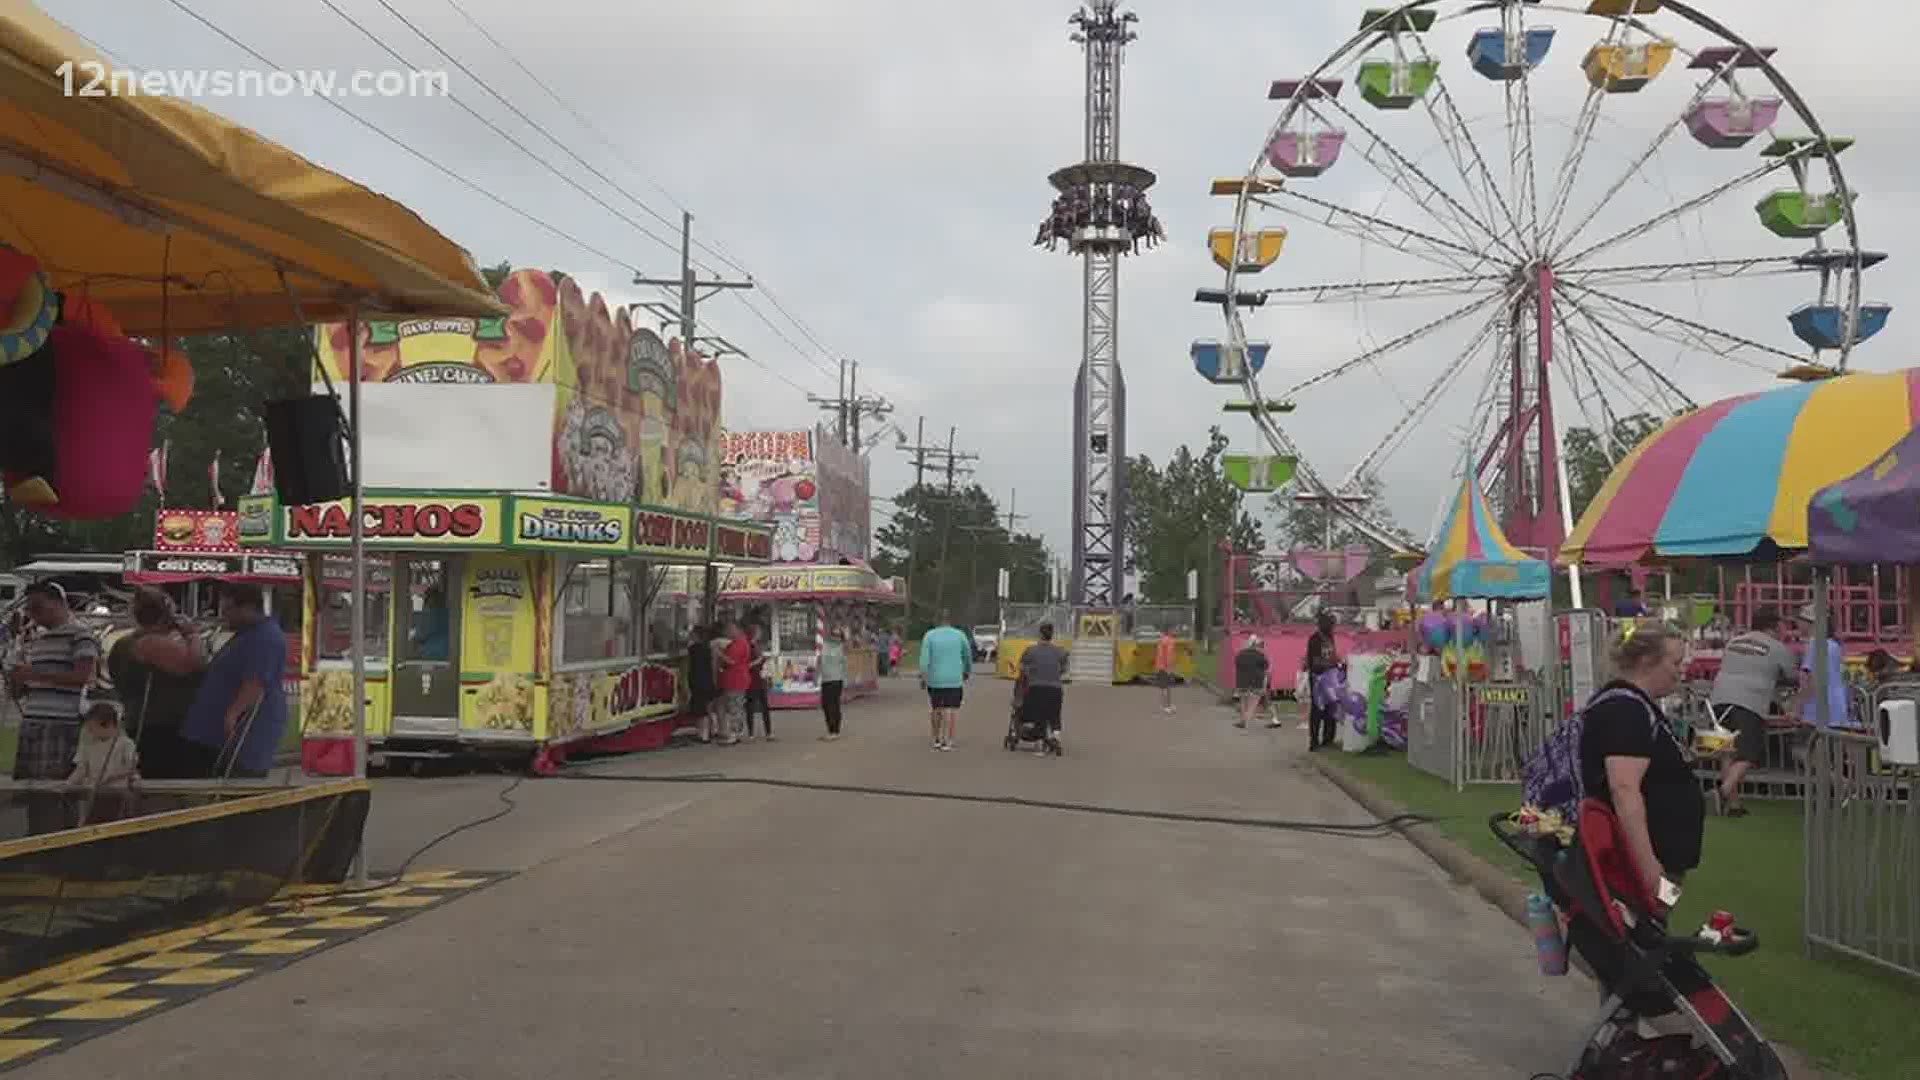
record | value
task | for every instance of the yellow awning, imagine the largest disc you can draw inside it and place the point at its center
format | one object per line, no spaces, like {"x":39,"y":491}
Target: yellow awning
{"x":118,"y":193}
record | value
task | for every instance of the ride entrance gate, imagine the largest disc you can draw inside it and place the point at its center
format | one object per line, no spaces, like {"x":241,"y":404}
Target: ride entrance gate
{"x":1482,"y":730}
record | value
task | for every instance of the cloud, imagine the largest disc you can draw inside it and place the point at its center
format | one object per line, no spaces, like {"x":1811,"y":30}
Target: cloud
{"x":881,"y":169}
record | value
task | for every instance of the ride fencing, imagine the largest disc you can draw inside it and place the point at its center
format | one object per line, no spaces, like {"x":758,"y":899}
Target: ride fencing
{"x":1863,"y":847}
{"x":1482,"y":732}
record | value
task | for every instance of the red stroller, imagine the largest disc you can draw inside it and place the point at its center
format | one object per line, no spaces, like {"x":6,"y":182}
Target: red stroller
{"x":1644,"y":971}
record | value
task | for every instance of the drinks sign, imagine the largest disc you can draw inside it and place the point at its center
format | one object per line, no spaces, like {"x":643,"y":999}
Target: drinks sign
{"x":569,"y":526}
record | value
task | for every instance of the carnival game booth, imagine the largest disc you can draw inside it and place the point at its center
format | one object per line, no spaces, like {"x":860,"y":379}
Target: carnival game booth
{"x":501,"y":623}
{"x":141,"y":217}
{"x":1728,"y":485}
{"x":1481,"y":699}
{"x":799,"y":606}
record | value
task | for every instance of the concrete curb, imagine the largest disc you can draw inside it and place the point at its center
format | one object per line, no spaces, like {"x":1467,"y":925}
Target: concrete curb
{"x":1493,"y":885}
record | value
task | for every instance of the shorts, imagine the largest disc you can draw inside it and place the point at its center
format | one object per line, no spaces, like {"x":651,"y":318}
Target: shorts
{"x":1256,"y":696}
{"x":45,"y":749}
{"x":730,"y":709}
{"x":1750,"y":733}
{"x":945,"y":697}
{"x":1163,"y":678}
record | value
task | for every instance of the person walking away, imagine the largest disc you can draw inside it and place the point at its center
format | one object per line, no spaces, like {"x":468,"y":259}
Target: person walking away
{"x":156,"y":671}
{"x":833,"y":680}
{"x":1632,"y":759}
{"x":1323,"y":655}
{"x":1163,"y":655}
{"x":896,"y":645}
{"x":700,"y":682}
{"x":757,"y":682}
{"x":946,"y":662}
{"x":240,"y":712}
{"x":1044,"y":667}
{"x":1251,"y":672}
{"x":1753,"y":667}
{"x":735,"y":679}
{"x":1804,"y":704}
{"x":883,"y":652}
{"x":58,"y":662}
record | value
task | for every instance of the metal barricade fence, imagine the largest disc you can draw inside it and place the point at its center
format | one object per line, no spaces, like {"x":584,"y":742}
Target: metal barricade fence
{"x":1483,"y":732}
{"x":1863,"y":847}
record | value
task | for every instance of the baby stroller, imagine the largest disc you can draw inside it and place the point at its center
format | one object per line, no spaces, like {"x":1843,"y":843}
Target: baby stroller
{"x":1020,"y":730}
{"x":1643,"y":971}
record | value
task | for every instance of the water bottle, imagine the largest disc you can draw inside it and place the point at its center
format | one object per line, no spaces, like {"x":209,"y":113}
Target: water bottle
{"x":1548,"y":945}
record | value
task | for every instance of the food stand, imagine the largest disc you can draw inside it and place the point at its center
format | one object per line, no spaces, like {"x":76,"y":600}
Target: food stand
{"x":799,"y":606}
{"x":503,"y":622}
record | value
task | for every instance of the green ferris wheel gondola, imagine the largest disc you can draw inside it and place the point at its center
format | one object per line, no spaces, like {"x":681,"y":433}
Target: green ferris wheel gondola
{"x":1258,"y":473}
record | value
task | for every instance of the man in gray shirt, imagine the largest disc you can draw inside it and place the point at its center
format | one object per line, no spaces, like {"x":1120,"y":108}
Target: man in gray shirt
{"x":1044,"y":666}
{"x":1752,"y":669}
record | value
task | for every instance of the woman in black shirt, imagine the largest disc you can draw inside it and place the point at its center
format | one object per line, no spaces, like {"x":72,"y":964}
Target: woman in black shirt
{"x":1631,"y":758}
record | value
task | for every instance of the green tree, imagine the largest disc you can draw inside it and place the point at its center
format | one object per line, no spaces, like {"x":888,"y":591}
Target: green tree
{"x":1589,"y":462}
{"x":1177,"y":516}
{"x":952,"y":548}
{"x":235,"y":375}
{"x":1313,"y":524}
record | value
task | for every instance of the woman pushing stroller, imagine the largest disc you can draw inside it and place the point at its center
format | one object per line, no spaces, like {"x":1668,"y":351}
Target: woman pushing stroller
{"x":1038,"y":695}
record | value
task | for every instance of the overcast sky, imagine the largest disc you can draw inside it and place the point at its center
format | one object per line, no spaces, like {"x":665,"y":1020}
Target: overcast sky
{"x":881,"y":168}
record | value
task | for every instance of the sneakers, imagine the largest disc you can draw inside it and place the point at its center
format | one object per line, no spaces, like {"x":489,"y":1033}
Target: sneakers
{"x":943,"y":746}
{"x":1241,"y":724}
{"x":771,"y":738}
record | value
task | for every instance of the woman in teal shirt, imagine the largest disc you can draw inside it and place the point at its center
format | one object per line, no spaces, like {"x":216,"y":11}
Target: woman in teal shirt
{"x":833,"y":679}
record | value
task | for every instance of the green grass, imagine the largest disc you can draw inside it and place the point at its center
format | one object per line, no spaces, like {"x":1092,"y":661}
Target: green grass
{"x":1843,"y":1014}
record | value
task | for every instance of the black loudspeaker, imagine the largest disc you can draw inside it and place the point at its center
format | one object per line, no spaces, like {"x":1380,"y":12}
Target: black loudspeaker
{"x":306,"y":438}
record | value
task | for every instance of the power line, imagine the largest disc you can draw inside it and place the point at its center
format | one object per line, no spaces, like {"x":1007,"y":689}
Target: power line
{"x":497,"y":129}
{"x":403,"y":145}
{"x":798,"y":323}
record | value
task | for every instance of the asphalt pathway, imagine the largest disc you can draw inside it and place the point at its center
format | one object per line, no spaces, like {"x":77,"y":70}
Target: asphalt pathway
{"x":727,"y":930}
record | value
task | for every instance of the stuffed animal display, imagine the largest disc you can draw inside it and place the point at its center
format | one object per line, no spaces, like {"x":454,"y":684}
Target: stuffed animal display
{"x":78,"y":398}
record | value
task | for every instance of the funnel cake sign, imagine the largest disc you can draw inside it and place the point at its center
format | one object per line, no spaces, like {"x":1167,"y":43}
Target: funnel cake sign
{"x":636,"y":419}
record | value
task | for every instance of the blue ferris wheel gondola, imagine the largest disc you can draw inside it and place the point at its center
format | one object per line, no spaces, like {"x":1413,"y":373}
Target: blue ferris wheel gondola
{"x":1502,"y":58}
{"x":1223,"y":364}
{"x":1824,"y":326}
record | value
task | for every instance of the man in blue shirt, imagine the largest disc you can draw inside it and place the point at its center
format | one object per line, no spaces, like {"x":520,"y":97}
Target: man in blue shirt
{"x":946,"y":662}
{"x":241,"y":710}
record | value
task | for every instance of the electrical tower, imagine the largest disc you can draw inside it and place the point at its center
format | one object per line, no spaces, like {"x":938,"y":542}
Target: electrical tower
{"x":1101,"y":213}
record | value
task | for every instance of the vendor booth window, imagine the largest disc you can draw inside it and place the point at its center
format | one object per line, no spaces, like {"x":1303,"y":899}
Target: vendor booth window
{"x":333,"y":621}
{"x":598,"y":623}
{"x":794,"y":625}
{"x":670,"y":618}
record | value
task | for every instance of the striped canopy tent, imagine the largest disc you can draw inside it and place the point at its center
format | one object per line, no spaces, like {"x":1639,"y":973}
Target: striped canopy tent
{"x":1474,"y":560}
{"x":1733,"y":479}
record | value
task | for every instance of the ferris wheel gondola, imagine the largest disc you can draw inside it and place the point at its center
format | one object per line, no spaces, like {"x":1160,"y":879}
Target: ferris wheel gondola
{"x":1552,"y":292}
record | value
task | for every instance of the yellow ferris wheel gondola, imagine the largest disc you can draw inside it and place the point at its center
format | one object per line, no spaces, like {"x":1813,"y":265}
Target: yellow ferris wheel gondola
{"x":1254,"y":252}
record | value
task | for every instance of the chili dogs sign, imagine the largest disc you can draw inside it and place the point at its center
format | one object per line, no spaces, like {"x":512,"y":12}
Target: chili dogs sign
{"x":401,"y":521}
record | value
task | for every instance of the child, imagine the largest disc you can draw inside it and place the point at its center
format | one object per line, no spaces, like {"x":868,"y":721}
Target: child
{"x":106,"y":757}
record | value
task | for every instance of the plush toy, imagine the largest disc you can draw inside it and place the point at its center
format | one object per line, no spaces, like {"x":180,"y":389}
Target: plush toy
{"x":104,"y":407}
{"x":27,"y":452}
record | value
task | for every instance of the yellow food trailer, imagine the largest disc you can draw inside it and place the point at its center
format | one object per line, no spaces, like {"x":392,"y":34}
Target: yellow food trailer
{"x":499,"y":622}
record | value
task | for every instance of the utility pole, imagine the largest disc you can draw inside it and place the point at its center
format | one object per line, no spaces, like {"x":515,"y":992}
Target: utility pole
{"x":1012,"y":518}
{"x":849,"y":407}
{"x":689,"y":285}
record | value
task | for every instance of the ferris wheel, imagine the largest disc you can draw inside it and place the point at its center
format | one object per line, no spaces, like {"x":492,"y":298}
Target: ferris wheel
{"x":1501,"y":218}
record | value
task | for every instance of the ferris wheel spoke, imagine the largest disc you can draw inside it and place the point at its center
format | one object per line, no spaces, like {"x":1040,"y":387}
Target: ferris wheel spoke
{"x":1396,"y":344}
{"x":1379,"y":230}
{"x":1521,"y":163}
{"x":1569,"y":170}
{"x":1692,"y":333}
{"x":1402,"y":289}
{"x":1306,"y":476}
{"x":1582,"y":351}
{"x":1698,"y":202}
{"x":1465,"y":153}
{"x":1620,"y":343}
{"x":1400,"y":170}
{"x":1697,"y":270}
{"x":1420,"y":406}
